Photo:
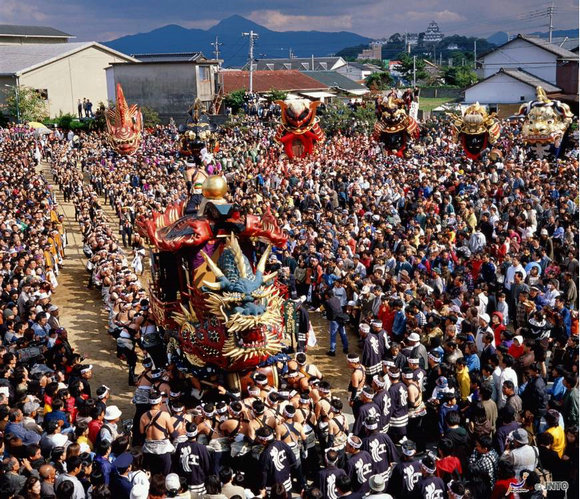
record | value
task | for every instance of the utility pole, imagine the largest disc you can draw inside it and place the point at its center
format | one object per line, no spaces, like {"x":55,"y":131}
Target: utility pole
{"x":475,"y":54}
{"x":252,"y":35}
{"x":216,"y":48}
{"x":551,"y":10}
{"x":414,"y":71}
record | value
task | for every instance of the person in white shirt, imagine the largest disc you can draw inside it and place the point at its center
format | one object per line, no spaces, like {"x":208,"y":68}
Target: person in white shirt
{"x":507,"y":373}
{"x":482,"y":330}
{"x":516,"y":266}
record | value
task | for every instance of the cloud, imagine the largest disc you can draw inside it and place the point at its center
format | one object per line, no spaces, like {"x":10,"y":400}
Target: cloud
{"x":440,"y":16}
{"x":277,"y":21}
{"x":16,"y":11}
{"x":101,"y":19}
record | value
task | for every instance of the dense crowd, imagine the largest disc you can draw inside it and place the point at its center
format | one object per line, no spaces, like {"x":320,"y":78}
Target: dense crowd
{"x":452,"y":285}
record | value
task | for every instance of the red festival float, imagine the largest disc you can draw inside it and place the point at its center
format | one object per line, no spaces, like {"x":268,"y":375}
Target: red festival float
{"x":209,"y":283}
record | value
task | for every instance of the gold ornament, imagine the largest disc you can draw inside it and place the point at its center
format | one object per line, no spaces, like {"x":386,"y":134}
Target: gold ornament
{"x":214,"y":187}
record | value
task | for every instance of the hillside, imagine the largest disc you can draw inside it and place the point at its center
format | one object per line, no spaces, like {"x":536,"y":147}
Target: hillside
{"x":234,"y":51}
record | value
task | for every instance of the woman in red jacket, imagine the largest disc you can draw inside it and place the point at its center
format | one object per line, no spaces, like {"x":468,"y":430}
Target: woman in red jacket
{"x":497,"y":326}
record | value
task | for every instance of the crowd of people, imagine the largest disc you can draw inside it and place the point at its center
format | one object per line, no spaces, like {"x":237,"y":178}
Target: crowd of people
{"x":452,"y":284}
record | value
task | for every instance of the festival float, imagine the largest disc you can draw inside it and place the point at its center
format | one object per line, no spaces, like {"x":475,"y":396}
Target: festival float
{"x":124,"y":125}
{"x":210,"y":285}
{"x":299,"y":130}
{"x":197,"y":134}
{"x":546,"y":122}
{"x":395,"y":128}
{"x":475,"y":130}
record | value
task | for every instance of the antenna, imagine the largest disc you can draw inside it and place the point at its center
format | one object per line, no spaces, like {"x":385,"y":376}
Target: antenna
{"x":253,"y":36}
{"x":216,"y":48}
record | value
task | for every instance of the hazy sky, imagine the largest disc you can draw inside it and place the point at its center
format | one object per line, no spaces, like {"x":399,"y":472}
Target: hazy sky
{"x":103,"y":20}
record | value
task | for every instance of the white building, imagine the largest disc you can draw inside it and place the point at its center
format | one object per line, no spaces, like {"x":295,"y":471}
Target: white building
{"x":529,"y":53}
{"x":433,"y":33}
{"x":507,"y":86}
{"x":61,"y":72}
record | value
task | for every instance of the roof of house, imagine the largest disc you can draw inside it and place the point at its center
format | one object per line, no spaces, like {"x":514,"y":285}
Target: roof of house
{"x":18,"y":30}
{"x":19,"y":59}
{"x":525,"y":77}
{"x":264,"y":81}
{"x":299,"y":63}
{"x":336,"y":80}
{"x":363,"y":66}
{"x":170,"y":57}
{"x":561,"y":52}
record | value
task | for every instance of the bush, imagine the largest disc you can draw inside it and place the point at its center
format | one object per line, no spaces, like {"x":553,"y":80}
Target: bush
{"x":150,"y":117}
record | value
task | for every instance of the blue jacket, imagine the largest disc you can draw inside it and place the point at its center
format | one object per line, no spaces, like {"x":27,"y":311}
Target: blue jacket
{"x":399,"y":323}
{"x":17,"y":429}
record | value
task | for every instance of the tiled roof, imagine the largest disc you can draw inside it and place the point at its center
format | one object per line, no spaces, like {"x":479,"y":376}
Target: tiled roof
{"x":41,"y":31}
{"x":21,"y":58}
{"x":264,"y":81}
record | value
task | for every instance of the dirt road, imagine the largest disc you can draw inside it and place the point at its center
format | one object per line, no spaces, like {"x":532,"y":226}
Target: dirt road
{"x":83,"y":315}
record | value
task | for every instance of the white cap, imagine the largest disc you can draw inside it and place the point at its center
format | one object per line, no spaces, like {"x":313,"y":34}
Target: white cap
{"x":484,"y":317}
{"x":112,"y":412}
{"x":414,"y":337}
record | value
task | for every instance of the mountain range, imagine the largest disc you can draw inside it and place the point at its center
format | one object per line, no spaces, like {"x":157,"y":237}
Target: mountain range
{"x":234,"y":51}
{"x":501,"y":37}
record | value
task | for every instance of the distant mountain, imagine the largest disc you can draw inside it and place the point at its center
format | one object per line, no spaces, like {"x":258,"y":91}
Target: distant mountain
{"x":501,"y":37}
{"x":234,"y":51}
{"x":498,"y":38}
{"x":558,"y":33}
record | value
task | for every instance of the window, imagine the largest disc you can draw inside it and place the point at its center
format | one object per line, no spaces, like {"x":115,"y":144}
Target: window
{"x":522,"y":98}
{"x":204,"y":73}
{"x":42,"y":92}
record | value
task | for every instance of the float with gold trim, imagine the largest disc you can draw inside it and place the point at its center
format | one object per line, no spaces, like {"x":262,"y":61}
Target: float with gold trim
{"x":124,"y":125}
{"x":475,"y":130}
{"x":546,"y":122}
{"x":299,"y":131}
{"x":395,"y":128}
{"x":210,"y":283}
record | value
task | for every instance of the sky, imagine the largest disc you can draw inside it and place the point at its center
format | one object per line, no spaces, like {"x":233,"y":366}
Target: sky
{"x":103,"y":20}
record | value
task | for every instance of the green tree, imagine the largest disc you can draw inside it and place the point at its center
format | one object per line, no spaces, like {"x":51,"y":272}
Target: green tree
{"x":150,"y":117}
{"x":25,"y":102}
{"x":406,"y":67}
{"x":460,"y":76}
{"x":364,"y":118}
{"x":274,"y":95}
{"x":339,"y":117}
{"x":235,"y":100}
{"x":379,"y":81}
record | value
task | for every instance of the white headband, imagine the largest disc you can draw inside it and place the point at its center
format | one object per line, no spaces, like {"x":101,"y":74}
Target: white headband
{"x":378,"y":381}
{"x":354,"y":360}
{"x":353,"y":443}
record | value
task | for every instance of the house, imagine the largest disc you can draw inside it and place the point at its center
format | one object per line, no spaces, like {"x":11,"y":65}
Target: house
{"x":265,"y":81}
{"x":532,"y":54}
{"x":61,"y":72}
{"x":357,"y":71}
{"x":373,"y":52}
{"x":17,"y":34}
{"x":338,"y":82}
{"x":299,"y":64}
{"x":511,"y":87}
{"x":167,"y":83}
{"x":171,"y":57}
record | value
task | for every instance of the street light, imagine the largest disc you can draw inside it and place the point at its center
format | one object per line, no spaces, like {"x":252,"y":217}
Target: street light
{"x":17,"y":100}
